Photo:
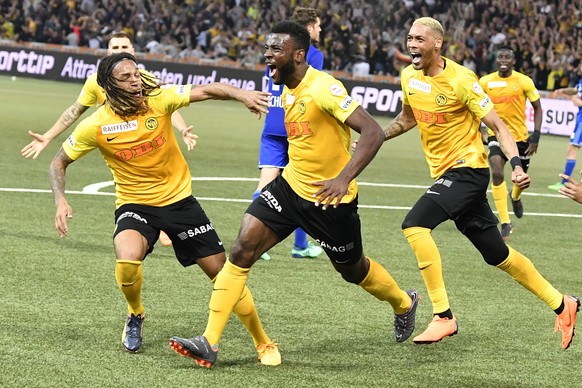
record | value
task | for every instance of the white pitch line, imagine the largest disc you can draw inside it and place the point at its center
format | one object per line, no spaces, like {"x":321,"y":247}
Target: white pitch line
{"x":94,"y":189}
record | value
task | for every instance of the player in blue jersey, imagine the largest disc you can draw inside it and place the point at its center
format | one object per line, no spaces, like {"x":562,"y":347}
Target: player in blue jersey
{"x":273,"y":153}
{"x":576,"y":137}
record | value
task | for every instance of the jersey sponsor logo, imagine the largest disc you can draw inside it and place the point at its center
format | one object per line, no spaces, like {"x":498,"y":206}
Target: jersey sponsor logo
{"x":289,"y":99}
{"x":298,"y":129}
{"x":202,"y":229}
{"x":112,"y":138}
{"x":477,"y":88}
{"x":346,"y":102}
{"x":504,"y":99}
{"x":444,"y":182}
{"x":429,"y":191}
{"x":336,"y":90}
{"x":429,"y":117}
{"x":270,"y":199}
{"x":71,"y":140}
{"x":336,"y":248}
{"x":131,"y":215}
{"x":496,"y":84}
{"x":119,"y":127}
{"x":151,"y":123}
{"x":484,"y":102}
{"x":140,"y":149}
{"x":440,"y":99}
{"x":419,"y":85}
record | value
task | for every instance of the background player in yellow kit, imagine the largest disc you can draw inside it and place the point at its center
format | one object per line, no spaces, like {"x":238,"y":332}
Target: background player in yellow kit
{"x":509,"y":90}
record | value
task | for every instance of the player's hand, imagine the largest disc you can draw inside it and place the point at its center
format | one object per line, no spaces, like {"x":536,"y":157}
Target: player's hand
{"x":332,"y":191}
{"x":257,"y":102}
{"x":35,"y":147}
{"x":189,"y":138}
{"x":520,"y":178}
{"x":64,"y":211}
{"x":532,"y":148}
{"x":572,"y":188}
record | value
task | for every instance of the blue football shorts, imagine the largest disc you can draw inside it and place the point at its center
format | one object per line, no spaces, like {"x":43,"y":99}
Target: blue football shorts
{"x":273,"y":152}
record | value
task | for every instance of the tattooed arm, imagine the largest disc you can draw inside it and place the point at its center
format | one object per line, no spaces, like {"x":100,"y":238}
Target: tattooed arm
{"x":39,"y":142}
{"x":57,"y":172}
{"x":403,"y":122}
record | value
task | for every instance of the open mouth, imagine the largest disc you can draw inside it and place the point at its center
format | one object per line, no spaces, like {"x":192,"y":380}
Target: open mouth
{"x":416,"y":57}
{"x":272,"y":70}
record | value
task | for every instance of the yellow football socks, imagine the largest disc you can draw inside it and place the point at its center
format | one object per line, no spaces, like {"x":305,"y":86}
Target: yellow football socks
{"x":129,"y":276}
{"x":430,"y":265}
{"x":379,"y":283}
{"x":500,"y":198}
{"x":516,"y":193}
{"x":228,"y":288}
{"x":246,"y":311}
{"x":523,"y":271}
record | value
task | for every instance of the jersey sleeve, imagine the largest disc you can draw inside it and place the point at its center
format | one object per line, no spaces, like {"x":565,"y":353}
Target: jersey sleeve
{"x":88,"y":95}
{"x":333,"y":98}
{"x":530,"y":90}
{"x":173,"y":97}
{"x":82,"y":141}
{"x":470,"y":92}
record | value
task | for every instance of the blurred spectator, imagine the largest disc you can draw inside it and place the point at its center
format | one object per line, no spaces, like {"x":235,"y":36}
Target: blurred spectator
{"x":540,"y":32}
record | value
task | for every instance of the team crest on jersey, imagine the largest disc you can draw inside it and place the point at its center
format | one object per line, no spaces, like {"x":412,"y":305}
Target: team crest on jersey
{"x":301,"y":107}
{"x":151,"y":123}
{"x":477,"y":88}
{"x":440,"y":100}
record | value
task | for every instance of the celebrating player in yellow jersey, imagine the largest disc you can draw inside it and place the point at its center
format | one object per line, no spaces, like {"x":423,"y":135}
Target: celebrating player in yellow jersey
{"x":447,"y":103}
{"x":316,"y":192}
{"x":133,"y":132}
{"x":93,"y":95}
{"x":508,"y":90}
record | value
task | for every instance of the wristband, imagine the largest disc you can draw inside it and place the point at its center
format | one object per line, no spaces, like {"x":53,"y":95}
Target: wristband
{"x":534,"y":138}
{"x":515,"y":162}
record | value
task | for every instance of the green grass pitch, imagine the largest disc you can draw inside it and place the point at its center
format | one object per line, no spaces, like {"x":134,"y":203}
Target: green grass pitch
{"x":61,"y":314}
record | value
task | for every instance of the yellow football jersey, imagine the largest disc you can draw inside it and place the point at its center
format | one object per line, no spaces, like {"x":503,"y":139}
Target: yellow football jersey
{"x":509,"y":96}
{"x":143,"y":154}
{"x":448,"y":109}
{"x":319,"y":141}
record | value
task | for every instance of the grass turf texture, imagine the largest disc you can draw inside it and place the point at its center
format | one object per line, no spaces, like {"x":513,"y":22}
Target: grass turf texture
{"x":61,"y":314}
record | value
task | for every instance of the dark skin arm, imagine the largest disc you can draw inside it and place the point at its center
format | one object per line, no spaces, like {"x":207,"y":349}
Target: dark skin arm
{"x":371,"y":138}
{"x":538,"y":112}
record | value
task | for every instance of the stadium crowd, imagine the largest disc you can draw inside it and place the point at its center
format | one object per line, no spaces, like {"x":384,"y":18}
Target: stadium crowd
{"x":546,"y":35}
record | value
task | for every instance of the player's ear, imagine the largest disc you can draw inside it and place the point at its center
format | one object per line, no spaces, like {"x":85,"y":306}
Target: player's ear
{"x":438,"y":43}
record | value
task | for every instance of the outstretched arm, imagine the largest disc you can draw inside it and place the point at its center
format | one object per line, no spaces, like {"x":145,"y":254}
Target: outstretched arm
{"x":39,"y":142}
{"x":256,"y":102}
{"x":179,"y":123}
{"x":57,"y":172}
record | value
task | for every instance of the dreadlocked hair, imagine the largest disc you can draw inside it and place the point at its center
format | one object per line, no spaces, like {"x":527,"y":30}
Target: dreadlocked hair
{"x":125,"y":104}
